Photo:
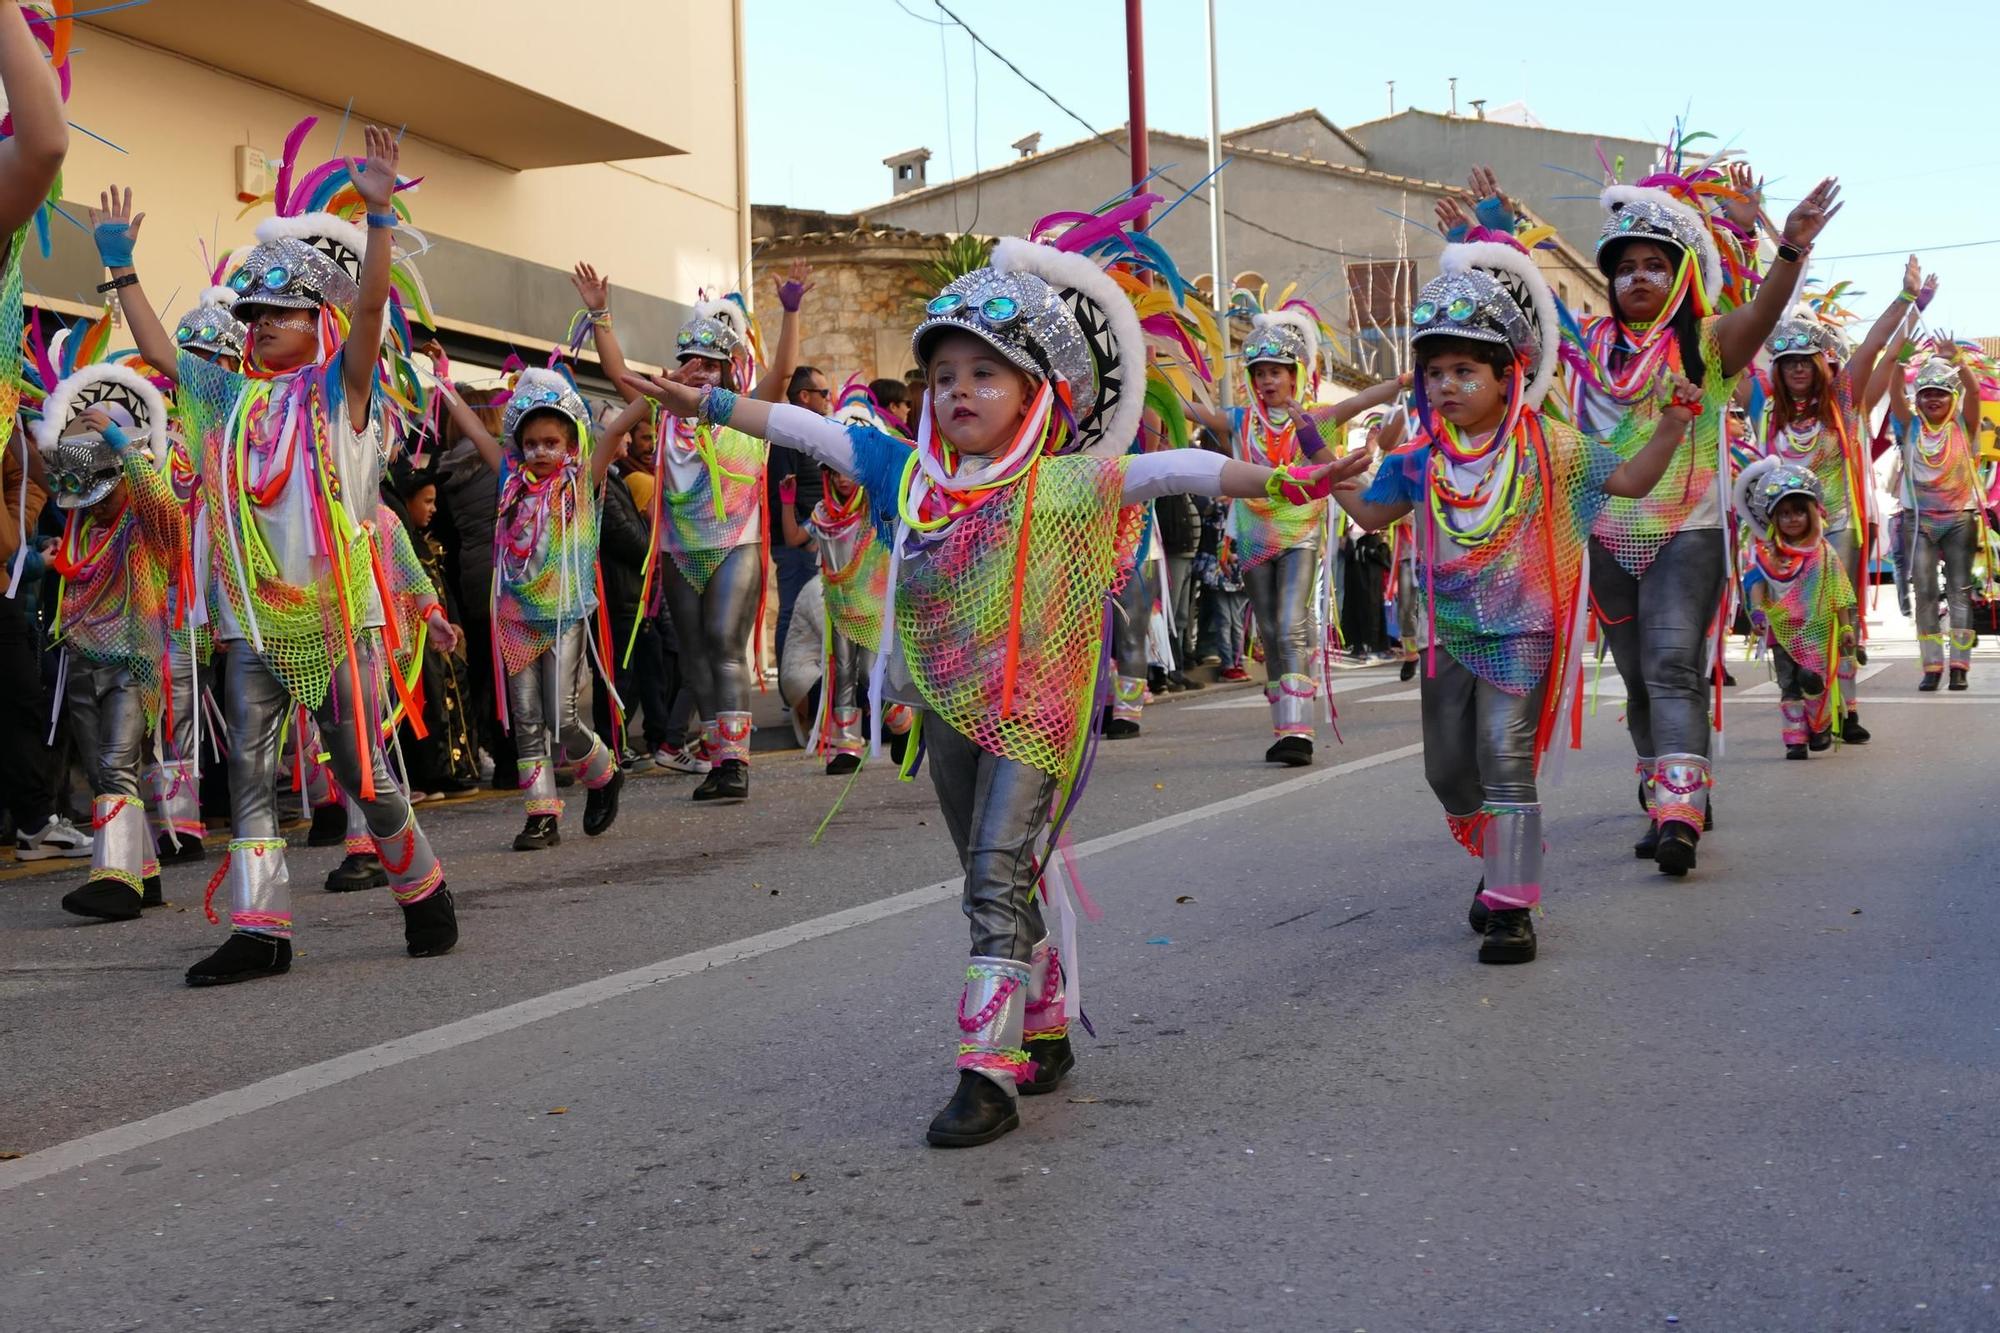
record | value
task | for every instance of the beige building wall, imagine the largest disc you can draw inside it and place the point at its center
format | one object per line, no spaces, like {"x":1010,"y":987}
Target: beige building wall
{"x":662,"y":226}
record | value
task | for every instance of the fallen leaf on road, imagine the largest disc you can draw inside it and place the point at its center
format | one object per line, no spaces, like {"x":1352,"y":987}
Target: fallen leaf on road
{"x":1083,"y":1101}
{"x":560,"y":1110}
{"x":1159,"y":786}
{"x":798,"y":1175}
{"x":1185,"y":898}
{"x":7,"y":1156}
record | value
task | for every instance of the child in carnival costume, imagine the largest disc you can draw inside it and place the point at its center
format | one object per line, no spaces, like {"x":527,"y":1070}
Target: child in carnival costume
{"x":854,"y":581}
{"x":708,"y":512}
{"x":1279,"y":545}
{"x":172,"y":779}
{"x":1817,"y":417}
{"x":1937,"y":472}
{"x":102,"y":444}
{"x":1676,"y":249}
{"x":1800,"y":594}
{"x":1503,"y":497}
{"x":290,"y":450}
{"x":1009,"y":521}
{"x":545,"y":590}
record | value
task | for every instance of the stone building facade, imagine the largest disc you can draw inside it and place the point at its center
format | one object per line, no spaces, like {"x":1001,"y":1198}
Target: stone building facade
{"x":865,"y":299}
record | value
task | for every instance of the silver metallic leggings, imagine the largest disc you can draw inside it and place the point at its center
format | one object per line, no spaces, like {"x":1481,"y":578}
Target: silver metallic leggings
{"x":1281,"y":598}
{"x":713,"y":627}
{"x":1411,"y":610}
{"x":107,"y":718}
{"x":1657,"y":627}
{"x":1948,"y":541}
{"x":1479,"y":757}
{"x":543,"y":706}
{"x":995,"y":810}
{"x":1135,"y":619}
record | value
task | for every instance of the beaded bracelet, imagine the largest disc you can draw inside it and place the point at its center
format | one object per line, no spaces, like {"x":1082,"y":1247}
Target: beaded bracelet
{"x":717,"y":405}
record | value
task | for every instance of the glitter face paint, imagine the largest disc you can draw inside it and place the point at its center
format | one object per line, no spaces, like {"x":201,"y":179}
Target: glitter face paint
{"x":1626,"y":282}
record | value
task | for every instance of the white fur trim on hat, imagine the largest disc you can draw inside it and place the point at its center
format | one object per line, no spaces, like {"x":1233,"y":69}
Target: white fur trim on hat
{"x":1078,"y":273}
{"x":307,"y":226}
{"x":1747,"y":480}
{"x":1706,"y":252}
{"x":60,"y":406}
{"x":1496,"y":258}
{"x":725,"y":311}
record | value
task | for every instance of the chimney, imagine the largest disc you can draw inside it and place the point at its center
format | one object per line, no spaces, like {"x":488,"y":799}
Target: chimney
{"x":906,"y":170}
{"x":1029,"y":145}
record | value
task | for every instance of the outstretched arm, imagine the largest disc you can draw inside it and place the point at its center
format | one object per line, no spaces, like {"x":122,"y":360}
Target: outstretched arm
{"x":1743,"y":330}
{"x":375,"y":182}
{"x":1968,"y":402}
{"x":819,"y":438}
{"x":792,"y":290}
{"x":1214,"y":418}
{"x":1637,"y":475}
{"x":595,"y":289}
{"x":1915,"y":295}
{"x":470,"y":426}
{"x":115,"y":228}
{"x":32,"y":156}
{"x":1339,"y":414}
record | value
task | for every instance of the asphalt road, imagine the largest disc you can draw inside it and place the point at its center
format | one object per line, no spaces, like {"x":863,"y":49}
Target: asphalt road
{"x":678,"y":1076}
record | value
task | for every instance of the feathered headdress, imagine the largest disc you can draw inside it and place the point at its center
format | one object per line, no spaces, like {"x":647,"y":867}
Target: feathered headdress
{"x":1491,"y":291}
{"x":1680,"y":205}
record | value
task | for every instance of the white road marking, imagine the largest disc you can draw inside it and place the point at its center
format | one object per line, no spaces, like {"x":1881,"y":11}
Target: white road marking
{"x":341,"y":1069}
{"x":1345,"y":684}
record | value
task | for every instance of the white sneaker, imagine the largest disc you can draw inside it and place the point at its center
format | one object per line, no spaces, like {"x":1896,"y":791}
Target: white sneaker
{"x":679,"y":760}
{"x":58,"y":837}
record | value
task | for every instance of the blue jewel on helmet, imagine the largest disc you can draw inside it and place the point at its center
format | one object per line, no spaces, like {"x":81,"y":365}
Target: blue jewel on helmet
{"x":276,"y":277}
{"x":999,"y":311}
{"x":241,"y":280}
{"x":945,"y":303}
{"x":1425,"y":312}
{"x":1460,"y":309}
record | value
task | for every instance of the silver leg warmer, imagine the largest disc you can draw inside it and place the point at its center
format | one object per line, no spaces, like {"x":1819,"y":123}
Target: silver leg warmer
{"x":1281,"y":600}
{"x":544,"y":711}
{"x":996,"y":811}
{"x":990,"y":1013}
{"x":1479,"y":758}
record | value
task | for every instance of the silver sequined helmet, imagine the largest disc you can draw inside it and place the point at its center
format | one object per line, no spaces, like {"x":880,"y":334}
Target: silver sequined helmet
{"x":81,"y":465}
{"x":1636,"y":213}
{"x":537,"y":390}
{"x":1766,"y":483}
{"x":1491,"y":292}
{"x":1282,"y":337}
{"x":301,"y":263}
{"x":1799,"y":337}
{"x":1057,"y":317}
{"x":717,"y":331}
{"x":211,"y":328}
{"x":1937,"y":373}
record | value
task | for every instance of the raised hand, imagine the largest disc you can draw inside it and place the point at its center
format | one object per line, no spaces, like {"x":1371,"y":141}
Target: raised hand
{"x":1913,"y":276}
{"x":792,"y":288}
{"x":1748,"y":201}
{"x":115,"y":227}
{"x":592,"y":286}
{"x":375,"y":178}
{"x":1484,"y":184}
{"x":1451,"y":215}
{"x":1810,"y":215}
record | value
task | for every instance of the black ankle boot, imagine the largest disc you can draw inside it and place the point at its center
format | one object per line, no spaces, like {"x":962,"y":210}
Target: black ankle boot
{"x":243,"y":957}
{"x":105,"y":899}
{"x":1408,"y":671}
{"x":329,"y":826}
{"x":1648,"y":845}
{"x":980,"y":1111}
{"x":152,"y":895}
{"x":1930,"y":682}
{"x":727,"y":781}
{"x":1957,"y":679}
{"x":1851,"y":730}
{"x":1796,"y":752}
{"x":1053,"y":1060}
{"x":430,"y":926}
{"x":1291,"y":751}
{"x":1479,"y":915}
{"x":1120,"y":729}
{"x":1509,"y":937}
{"x":842,"y":764}
{"x":1818,"y":741}
{"x":600,"y":807}
{"x":167,"y":854}
{"x":539,"y":832}
{"x":357,"y":871}
{"x":1676,"y":850}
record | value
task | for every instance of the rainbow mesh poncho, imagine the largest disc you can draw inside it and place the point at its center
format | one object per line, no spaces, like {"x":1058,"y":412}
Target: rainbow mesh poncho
{"x":115,"y":577}
{"x":853,"y":569}
{"x":544,"y":556}
{"x":1000,"y":614}
{"x":408,"y":598}
{"x":1943,"y":480}
{"x":1635,"y":530}
{"x":1805,"y":591}
{"x":194,"y":639}
{"x":1502,"y":578}
{"x":1837,"y":455}
{"x":1261,"y":530}
{"x":236,"y":425}
{"x":701,"y":525}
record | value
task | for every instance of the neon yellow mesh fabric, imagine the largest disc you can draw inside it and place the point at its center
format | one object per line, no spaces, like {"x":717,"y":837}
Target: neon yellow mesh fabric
{"x":702,"y":524}
{"x":1806,"y":593}
{"x":1635,"y":530}
{"x":855,"y":591}
{"x":955,"y":605}
{"x":544,"y":557}
{"x":411,"y":594}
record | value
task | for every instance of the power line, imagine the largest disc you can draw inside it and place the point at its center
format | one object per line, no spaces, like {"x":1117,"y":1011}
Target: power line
{"x":1909,"y":250}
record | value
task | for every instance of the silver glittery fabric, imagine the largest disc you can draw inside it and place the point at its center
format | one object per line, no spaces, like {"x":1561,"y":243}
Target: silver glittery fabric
{"x":81,"y":469}
{"x":1799,"y":337}
{"x":1646,"y":220}
{"x":212,"y":329}
{"x":706,"y":336}
{"x":1473,"y":304}
{"x":537,"y":390}
{"x":292,"y":274}
{"x":1039,"y":332}
{"x":1775,"y":483}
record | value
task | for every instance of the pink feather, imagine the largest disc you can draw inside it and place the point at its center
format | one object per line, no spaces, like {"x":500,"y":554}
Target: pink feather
{"x":293,"y":142}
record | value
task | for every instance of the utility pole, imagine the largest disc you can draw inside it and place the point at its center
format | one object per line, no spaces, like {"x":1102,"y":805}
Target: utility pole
{"x":1135,"y":89}
{"x":1219,"y":288}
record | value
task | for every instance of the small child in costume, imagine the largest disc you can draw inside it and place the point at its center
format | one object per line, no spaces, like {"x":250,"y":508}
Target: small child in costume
{"x":1010,"y":525}
{"x":1799,"y":591}
{"x":102,"y":442}
{"x":545,"y":589}
{"x":1504,"y":498}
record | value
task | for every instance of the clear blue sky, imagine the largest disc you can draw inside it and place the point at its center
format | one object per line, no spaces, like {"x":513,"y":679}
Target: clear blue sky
{"x":1914,"y":135}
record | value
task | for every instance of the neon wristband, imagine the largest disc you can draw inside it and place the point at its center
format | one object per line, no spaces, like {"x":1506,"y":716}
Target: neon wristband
{"x":115,"y":437}
{"x":380,"y":221}
{"x":717,"y":405}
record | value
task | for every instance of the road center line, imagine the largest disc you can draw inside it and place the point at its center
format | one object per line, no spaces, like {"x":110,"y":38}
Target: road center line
{"x":312,"y":1078}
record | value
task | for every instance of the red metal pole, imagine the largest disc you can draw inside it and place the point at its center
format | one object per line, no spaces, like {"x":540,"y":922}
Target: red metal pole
{"x":1135,"y":85}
